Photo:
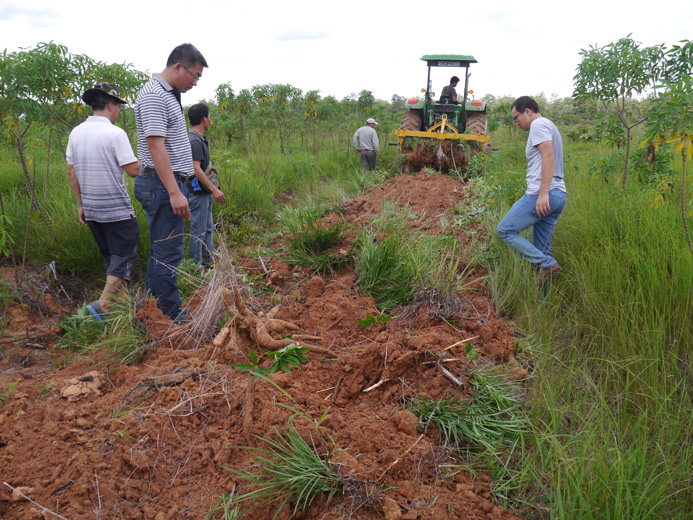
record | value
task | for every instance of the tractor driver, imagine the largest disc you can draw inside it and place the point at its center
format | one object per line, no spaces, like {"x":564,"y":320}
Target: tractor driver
{"x":449,"y":95}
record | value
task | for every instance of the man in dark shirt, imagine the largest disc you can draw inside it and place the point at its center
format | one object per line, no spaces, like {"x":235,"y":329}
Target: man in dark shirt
{"x":200,"y":200}
{"x":449,"y":94}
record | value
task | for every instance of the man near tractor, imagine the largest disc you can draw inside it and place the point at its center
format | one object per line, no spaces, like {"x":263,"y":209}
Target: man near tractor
{"x":449,"y":95}
{"x":167,"y":169}
{"x":366,"y":142}
{"x":97,"y":153}
{"x":543,"y":202}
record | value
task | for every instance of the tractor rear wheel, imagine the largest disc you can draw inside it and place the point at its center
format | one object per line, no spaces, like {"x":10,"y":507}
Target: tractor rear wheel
{"x":411,"y":121}
{"x":477,"y":124}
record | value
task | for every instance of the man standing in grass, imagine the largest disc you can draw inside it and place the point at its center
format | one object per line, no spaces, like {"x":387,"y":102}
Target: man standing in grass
{"x":543,"y":202}
{"x":167,"y":169}
{"x":97,"y":153}
{"x":365,"y":141}
{"x":203,"y":189}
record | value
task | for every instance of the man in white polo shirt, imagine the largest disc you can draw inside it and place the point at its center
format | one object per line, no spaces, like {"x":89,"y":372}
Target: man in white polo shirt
{"x":97,"y":153}
{"x":167,"y":169}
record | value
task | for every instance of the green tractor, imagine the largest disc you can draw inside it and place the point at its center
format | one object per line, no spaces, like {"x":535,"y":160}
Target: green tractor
{"x":442,"y":123}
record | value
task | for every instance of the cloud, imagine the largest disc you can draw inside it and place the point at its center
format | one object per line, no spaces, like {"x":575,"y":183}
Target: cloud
{"x":298,"y":34}
{"x":35,"y":16}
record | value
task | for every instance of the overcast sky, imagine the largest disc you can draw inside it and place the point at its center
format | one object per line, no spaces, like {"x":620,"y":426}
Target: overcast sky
{"x":340,"y":48}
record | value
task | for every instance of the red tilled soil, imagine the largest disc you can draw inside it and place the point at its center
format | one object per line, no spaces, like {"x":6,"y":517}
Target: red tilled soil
{"x":442,"y":156}
{"x":151,"y":441}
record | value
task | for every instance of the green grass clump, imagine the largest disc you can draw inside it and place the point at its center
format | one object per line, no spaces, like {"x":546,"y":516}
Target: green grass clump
{"x":490,"y":419}
{"x":224,"y":509}
{"x":311,"y":244}
{"x":289,"y":469}
{"x":121,"y":332}
{"x":385,"y":264}
{"x":191,"y":276}
{"x":395,"y":264}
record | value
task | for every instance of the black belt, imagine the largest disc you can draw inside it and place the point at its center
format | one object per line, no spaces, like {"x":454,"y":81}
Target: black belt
{"x":183,"y":178}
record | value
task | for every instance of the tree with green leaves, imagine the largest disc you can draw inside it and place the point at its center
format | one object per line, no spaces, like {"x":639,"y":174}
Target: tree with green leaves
{"x":671,"y":117}
{"x":43,"y":86}
{"x":611,"y":75}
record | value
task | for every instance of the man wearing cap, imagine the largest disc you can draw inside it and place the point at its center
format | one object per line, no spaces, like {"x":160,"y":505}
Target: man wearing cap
{"x":366,"y":143}
{"x":97,"y":153}
{"x":449,"y":94}
{"x":167,"y":169}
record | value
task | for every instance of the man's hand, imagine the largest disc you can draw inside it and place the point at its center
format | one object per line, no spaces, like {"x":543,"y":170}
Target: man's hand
{"x":378,"y":154}
{"x":218,"y":196}
{"x":81,"y":216}
{"x":179,"y":204}
{"x":543,"y":207}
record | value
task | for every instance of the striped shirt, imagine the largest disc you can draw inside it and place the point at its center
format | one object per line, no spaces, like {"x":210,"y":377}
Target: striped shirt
{"x":159,"y":113}
{"x":97,"y":149}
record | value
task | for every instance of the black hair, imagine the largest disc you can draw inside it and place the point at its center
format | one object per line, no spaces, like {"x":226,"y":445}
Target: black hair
{"x":197,"y":113}
{"x":186,"y":54}
{"x":454,"y":79}
{"x":100,"y":101}
{"x":523,"y":102}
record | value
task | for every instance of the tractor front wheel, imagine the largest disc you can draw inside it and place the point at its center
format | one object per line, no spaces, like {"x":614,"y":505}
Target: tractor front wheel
{"x":411,"y":121}
{"x":477,"y":124}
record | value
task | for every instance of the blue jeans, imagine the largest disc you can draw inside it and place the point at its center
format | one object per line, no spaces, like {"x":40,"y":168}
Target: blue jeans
{"x":522,"y":216}
{"x":201,"y":228}
{"x":166,"y":238}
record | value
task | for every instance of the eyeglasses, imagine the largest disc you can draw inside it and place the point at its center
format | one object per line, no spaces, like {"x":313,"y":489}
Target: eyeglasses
{"x":195,"y":76}
{"x":518,"y":115}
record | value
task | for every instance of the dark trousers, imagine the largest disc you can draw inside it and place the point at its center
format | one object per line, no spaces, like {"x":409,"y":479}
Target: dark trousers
{"x":367,"y":160}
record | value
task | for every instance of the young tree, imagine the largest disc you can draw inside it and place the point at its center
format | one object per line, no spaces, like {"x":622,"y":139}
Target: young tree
{"x":612,"y":74}
{"x":671,"y":118}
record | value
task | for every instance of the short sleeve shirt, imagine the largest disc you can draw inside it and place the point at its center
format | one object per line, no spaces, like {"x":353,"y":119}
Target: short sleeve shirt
{"x":158,"y":113}
{"x":97,"y":149}
{"x":200,"y":148}
{"x":540,"y":131}
{"x":448,"y":91}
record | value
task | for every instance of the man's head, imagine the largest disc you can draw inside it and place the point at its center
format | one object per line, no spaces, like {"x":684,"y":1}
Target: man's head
{"x":524,"y":110}
{"x":199,"y":115}
{"x":454,"y":81}
{"x":105,"y":99}
{"x":371,"y":122}
{"x":184,"y":67}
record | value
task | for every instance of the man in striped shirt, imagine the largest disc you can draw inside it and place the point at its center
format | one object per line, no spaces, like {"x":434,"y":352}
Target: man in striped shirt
{"x":167,"y":167}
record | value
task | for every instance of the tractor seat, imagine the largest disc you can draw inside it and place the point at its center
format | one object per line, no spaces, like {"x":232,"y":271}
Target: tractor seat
{"x":444,"y":107}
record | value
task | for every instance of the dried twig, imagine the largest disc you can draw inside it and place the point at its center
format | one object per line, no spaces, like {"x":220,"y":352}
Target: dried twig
{"x":398,"y":458}
{"x":461,"y":342}
{"x":373,"y":387}
{"x":15,"y":490}
{"x":449,"y":375}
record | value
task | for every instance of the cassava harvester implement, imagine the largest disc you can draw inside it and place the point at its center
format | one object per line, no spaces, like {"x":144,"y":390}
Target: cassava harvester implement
{"x":431,"y":133}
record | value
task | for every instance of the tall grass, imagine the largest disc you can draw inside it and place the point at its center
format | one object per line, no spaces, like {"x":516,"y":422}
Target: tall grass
{"x":611,"y":347}
{"x":255,"y":190}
